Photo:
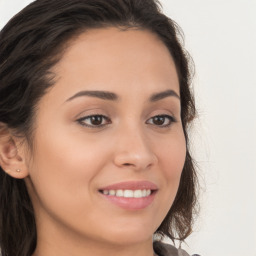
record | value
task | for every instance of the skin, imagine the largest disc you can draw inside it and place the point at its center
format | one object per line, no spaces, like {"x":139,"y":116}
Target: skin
{"x":71,"y":161}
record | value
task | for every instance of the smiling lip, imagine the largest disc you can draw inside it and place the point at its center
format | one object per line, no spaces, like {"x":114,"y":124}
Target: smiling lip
{"x":130,"y":203}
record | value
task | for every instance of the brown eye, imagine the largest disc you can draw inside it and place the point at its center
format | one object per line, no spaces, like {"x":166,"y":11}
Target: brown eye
{"x":161,"y":120}
{"x":158,"y":120}
{"x":94,"y":121}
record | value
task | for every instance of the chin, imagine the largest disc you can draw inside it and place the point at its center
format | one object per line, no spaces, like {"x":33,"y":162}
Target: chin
{"x":131,"y":234}
{"x":126,"y":239}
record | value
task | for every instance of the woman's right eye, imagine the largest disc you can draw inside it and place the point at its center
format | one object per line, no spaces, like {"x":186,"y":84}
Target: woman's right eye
{"x":94,"y":121}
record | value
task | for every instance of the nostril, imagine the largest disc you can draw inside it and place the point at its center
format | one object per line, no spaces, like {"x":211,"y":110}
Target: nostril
{"x":133,"y":159}
{"x":127,"y":164}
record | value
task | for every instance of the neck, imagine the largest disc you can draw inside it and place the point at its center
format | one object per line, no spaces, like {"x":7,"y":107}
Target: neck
{"x":95,"y":249}
{"x":67,"y":244}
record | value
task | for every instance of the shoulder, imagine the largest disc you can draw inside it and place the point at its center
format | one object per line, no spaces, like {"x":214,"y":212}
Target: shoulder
{"x":162,"y":249}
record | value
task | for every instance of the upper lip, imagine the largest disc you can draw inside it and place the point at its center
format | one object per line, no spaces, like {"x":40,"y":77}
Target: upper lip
{"x":131,"y":185}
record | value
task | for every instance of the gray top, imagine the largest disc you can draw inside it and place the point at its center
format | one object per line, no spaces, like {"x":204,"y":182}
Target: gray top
{"x":162,"y":249}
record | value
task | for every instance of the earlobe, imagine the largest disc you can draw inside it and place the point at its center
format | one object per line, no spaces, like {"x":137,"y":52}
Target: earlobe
{"x":11,"y":161}
{"x":17,"y":174}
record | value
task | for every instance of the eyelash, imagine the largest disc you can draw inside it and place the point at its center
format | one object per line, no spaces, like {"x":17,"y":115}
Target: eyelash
{"x":171,"y":120}
{"x":82,"y":121}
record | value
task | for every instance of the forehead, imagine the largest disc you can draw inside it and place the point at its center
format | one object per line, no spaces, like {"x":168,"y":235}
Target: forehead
{"x":117,"y":59}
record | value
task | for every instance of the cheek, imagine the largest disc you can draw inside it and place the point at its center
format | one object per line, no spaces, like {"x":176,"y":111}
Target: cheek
{"x":63,"y":169}
{"x":67,"y":152}
{"x":171,"y":158}
{"x":172,"y":154}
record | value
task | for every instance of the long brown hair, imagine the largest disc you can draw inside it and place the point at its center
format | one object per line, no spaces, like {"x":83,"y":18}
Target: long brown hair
{"x":30,"y":44}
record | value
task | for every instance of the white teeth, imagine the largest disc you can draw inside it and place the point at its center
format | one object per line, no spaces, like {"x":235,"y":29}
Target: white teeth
{"x":119,"y":192}
{"x":137,"y":193}
{"x":128,"y":193}
{"x":112,"y":192}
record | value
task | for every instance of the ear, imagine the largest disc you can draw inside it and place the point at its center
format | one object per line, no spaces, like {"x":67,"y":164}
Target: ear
{"x":12,"y":157}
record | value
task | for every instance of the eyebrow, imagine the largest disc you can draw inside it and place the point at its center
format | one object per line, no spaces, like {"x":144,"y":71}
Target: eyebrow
{"x":104,"y":95}
{"x":97,"y":94}
{"x":164,"y":94}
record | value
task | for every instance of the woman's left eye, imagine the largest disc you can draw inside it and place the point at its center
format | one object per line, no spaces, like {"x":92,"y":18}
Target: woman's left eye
{"x":94,"y":121}
{"x":161,"y":120}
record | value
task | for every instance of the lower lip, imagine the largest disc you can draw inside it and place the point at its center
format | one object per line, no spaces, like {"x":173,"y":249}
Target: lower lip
{"x":131,"y":203}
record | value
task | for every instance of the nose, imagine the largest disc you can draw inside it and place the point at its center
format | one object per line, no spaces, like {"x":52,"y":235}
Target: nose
{"x":134,"y":150}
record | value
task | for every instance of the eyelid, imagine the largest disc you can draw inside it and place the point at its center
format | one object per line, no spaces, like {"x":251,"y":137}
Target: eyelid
{"x":87,"y":117}
{"x":87,"y":120}
{"x":171,"y":118}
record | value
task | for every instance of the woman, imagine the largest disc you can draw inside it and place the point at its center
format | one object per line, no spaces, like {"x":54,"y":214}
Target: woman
{"x":94,"y":110}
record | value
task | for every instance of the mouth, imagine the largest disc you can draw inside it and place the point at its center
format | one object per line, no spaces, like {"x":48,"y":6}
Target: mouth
{"x":127,"y":193}
{"x":135,"y":195}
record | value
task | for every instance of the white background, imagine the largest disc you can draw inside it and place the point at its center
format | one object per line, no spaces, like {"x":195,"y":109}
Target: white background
{"x":221,"y":37}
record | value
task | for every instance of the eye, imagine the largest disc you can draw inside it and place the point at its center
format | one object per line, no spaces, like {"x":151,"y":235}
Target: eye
{"x":94,"y":121}
{"x":161,"y":120}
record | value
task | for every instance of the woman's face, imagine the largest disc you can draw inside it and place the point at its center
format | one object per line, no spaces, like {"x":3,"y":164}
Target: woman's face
{"x":109,"y":146}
